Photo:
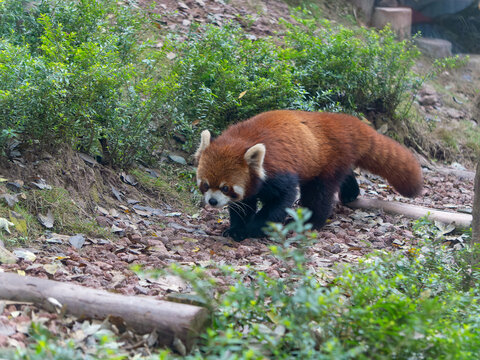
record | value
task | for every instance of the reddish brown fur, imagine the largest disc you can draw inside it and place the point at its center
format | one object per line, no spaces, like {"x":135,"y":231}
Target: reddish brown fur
{"x":311,"y":144}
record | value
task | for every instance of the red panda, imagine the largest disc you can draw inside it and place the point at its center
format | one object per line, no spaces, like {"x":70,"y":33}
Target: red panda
{"x":269,"y":155}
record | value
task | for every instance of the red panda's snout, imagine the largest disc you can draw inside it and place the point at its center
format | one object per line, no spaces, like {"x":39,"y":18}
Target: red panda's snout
{"x":219,"y":196}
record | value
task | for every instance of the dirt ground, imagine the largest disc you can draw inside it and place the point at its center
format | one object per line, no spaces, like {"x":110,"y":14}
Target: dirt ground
{"x":154,"y":233}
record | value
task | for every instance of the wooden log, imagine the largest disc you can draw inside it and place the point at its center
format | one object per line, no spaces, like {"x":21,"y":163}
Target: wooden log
{"x":413,"y":211}
{"x":172,"y":321}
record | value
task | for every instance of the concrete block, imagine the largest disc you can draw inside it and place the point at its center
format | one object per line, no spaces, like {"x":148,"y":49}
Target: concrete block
{"x":365,"y":6}
{"x":436,"y":48}
{"x":399,"y":18}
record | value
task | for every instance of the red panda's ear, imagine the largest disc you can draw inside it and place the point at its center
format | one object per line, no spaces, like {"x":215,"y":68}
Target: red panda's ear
{"x":204,"y":142}
{"x":254,"y":157}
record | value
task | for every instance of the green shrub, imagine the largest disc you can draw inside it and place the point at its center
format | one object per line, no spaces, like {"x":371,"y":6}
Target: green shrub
{"x":221,"y":76}
{"x":356,"y":70}
{"x":48,"y":346}
{"x":388,"y":306}
{"x":420,"y":304}
{"x":84,"y":76}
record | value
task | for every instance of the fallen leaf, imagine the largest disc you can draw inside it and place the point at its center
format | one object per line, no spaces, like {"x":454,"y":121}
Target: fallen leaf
{"x":117,"y":193}
{"x":11,"y":200}
{"x":19,"y":222}
{"x":51,"y":268}
{"x":7,"y":329}
{"x":6,"y":257}
{"x":4,"y":224}
{"x":25,"y":254}
{"x":148,"y":209}
{"x":173,"y":214}
{"x":46,"y":220}
{"x":169,"y":282}
{"x":113,"y":212}
{"x":117,"y":279}
{"x":178,"y":159}
{"x":55,"y":302}
{"x":102,"y":210}
{"x":42,"y":184}
{"x":116,"y":230}
{"x":88,"y":159}
{"x":77,"y":241}
{"x":128,"y":179}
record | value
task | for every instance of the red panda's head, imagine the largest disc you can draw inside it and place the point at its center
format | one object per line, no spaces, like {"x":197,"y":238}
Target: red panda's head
{"x":228,"y":171}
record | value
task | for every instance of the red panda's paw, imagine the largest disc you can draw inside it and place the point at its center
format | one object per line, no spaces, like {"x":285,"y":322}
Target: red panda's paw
{"x":237,"y":234}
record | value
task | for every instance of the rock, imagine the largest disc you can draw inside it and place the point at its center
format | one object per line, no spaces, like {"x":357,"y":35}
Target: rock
{"x":428,"y":100}
{"x":454,"y":113}
{"x":436,"y":48}
{"x":427,"y":90}
{"x":103,"y":221}
{"x":135,"y":238}
{"x":183,"y":6}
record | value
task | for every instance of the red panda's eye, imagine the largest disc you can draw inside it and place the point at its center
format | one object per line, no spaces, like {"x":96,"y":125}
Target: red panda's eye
{"x":225,"y":189}
{"x":204,"y":187}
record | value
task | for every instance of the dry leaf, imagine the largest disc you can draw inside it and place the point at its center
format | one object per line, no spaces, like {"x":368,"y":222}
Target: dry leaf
{"x":4,"y":224}
{"x":46,"y":220}
{"x":25,"y":254}
{"x":19,"y":221}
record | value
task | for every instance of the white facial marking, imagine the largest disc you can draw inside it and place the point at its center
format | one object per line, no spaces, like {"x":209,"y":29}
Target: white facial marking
{"x":221,"y":199}
{"x":239,"y":190}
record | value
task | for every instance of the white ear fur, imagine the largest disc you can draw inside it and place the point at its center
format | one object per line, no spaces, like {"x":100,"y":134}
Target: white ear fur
{"x":254,"y":157}
{"x":204,"y":142}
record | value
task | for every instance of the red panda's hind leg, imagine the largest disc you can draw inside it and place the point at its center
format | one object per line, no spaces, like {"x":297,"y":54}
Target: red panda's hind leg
{"x":317,"y":195}
{"x":349,"y":189}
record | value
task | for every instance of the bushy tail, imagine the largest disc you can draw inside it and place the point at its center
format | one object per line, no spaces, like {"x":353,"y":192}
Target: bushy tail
{"x":392,"y":161}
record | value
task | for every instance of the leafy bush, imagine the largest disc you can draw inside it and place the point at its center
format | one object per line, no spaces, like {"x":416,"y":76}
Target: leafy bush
{"x":48,"y":346}
{"x":221,"y":76}
{"x":78,"y":72}
{"x":395,"y":306}
{"x":421,"y":304}
{"x":354,"y":70}
{"x":83,"y":76}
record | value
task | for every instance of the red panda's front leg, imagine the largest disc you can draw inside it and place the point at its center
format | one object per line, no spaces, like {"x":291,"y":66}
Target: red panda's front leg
{"x":241,"y":213}
{"x":276,"y":194}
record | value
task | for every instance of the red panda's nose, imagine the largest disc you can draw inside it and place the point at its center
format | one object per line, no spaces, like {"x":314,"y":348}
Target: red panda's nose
{"x":212,"y":201}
